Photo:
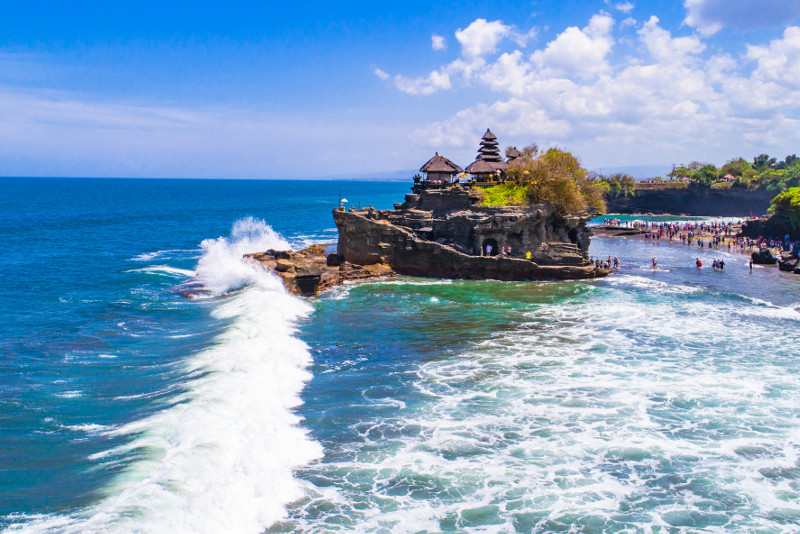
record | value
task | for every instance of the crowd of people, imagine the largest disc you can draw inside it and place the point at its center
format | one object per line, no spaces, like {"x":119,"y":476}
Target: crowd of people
{"x":715,"y":235}
{"x":608,"y":264}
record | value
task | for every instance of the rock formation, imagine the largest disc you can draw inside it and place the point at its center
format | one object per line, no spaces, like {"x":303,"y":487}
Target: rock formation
{"x":311,"y":271}
{"x":691,"y":201}
{"x":443,"y":232}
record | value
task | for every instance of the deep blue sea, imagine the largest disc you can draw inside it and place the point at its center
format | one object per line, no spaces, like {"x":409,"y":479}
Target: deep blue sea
{"x":650,"y":401}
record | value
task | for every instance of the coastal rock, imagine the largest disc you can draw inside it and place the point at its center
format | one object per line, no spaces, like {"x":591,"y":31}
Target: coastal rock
{"x":789,"y":265}
{"x":763,"y":257}
{"x":442,"y":233}
{"x":692,"y":200}
{"x":307,"y":272}
{"x":775,"y":226}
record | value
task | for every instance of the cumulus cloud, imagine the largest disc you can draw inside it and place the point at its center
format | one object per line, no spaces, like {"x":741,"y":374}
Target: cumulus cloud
{"x":382,"y":74}
{"x":710,"y":16}
{"x":435,"y":81}
{"x":664,"y":47}
{"x":579,"y":52}
{"x":779,"y":61}
{"x":481,"y":37}
{"x":672,"y":101}
{"x":437,"y":42}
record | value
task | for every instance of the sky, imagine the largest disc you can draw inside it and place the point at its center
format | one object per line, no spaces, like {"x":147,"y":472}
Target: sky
{"x":361,"y":89}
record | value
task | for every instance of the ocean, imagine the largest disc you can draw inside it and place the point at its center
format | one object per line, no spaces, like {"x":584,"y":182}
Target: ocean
{"x":650,"y":401}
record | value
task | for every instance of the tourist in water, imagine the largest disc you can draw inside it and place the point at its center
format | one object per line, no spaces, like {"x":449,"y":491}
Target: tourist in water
{"x":655,"y":263}
{"x":698,"y":262}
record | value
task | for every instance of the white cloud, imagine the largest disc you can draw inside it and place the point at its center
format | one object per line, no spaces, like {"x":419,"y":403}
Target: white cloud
{"x":664,"y":47}
{"x":625,"y":7}
{"x":383,"y":75}
{"x":710,"y":16}
{"x":579,"y":52}
{"x":438,"y":42}
{"x":435,"y":81}
{"x":669,"y":103}
{"x":481,"y":37}
{"x":779,"y":62}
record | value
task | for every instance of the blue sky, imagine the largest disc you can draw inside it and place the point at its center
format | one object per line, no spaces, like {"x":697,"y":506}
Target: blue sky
{"x":305,"y":90}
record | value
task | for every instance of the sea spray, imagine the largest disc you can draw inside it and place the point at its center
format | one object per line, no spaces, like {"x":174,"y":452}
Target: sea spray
{"x":220,"y":458}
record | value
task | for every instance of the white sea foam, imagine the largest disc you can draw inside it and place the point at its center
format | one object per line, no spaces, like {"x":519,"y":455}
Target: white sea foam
{"x":162,"y":254}
{"x":165,"y":270}
{"x":604,"y":414}
{"x":221,"y":457}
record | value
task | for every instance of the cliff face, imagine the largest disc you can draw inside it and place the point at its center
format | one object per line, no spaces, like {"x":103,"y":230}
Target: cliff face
{"x":774,"y":226}
{"x":692,"y":201}
{"x":456,"y":239}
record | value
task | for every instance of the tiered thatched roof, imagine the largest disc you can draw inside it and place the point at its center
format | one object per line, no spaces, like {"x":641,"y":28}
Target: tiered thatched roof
{"x":488,"y":160}
{"x":512,"y":154}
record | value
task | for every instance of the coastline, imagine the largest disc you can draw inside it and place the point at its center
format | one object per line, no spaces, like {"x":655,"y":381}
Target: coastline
{"x":698,"y":234}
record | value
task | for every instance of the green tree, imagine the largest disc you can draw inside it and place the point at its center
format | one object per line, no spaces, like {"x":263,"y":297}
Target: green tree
{"x":556,"y":176}
{"x":788,"y":203}
{"x":763,"y":161}
{"x":736,"y":167}
{"x":705,"y":175}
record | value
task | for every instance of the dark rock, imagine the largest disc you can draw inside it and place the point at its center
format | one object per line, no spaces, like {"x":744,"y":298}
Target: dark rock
{"x":774,"y":226}
{"x":558,"y":244}
{"x":763,"y":257}
{"x":789,"y":264}
{"x":692,"y":201}
{"x":333,"y":260}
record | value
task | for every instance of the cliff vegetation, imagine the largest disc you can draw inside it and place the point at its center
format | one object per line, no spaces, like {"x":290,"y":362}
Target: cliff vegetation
{"x":787,"y":204}
{"x":553,"y":176}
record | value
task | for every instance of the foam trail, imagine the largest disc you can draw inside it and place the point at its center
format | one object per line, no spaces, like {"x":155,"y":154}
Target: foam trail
{"x":220,"y":459}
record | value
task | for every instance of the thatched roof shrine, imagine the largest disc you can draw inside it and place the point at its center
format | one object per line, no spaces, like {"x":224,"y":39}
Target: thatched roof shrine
{"x":440,"y":164}
{"x":488,"y":160}
{"x":440,"y":169}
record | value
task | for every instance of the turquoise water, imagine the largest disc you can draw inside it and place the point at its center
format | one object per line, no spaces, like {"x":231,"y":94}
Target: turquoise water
{"x":649,"y":401}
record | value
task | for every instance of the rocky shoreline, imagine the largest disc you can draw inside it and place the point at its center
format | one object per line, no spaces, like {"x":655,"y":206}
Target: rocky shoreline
{"x":312,"y":271}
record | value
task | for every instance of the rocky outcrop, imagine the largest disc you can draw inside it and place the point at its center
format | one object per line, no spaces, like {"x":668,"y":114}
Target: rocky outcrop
{"x":457,"y":239}
{"x":790,"y":265}
{"x":311,"y":271}
{"x":763,"y":257}
{"x":774,"y":226}
{"x":732,"y":202}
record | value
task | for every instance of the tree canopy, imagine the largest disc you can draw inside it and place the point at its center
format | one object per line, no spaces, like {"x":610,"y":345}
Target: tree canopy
{"x":788,"y":203}
{"x":555,"y":176}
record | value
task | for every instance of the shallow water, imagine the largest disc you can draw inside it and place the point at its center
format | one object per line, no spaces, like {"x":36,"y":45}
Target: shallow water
{"x":648,"y":401}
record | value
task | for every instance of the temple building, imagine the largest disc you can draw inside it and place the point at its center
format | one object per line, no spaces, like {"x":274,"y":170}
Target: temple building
{"x":439,"y":169}
{"x":489,"y":165}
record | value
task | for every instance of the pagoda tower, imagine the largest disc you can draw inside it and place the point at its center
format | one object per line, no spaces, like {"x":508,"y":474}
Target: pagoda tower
{"x":489,"y":164}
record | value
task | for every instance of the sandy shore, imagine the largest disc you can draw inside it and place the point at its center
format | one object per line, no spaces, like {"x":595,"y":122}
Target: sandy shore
{"x":698,"y":234}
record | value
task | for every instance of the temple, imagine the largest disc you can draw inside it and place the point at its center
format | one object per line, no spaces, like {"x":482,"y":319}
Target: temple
{"x":440,"y":170}
{"x":489,"y":165}
{"x":443,"y":230}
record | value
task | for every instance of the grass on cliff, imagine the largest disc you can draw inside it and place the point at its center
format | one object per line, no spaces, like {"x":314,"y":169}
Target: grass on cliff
{"x":505,"y":195}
